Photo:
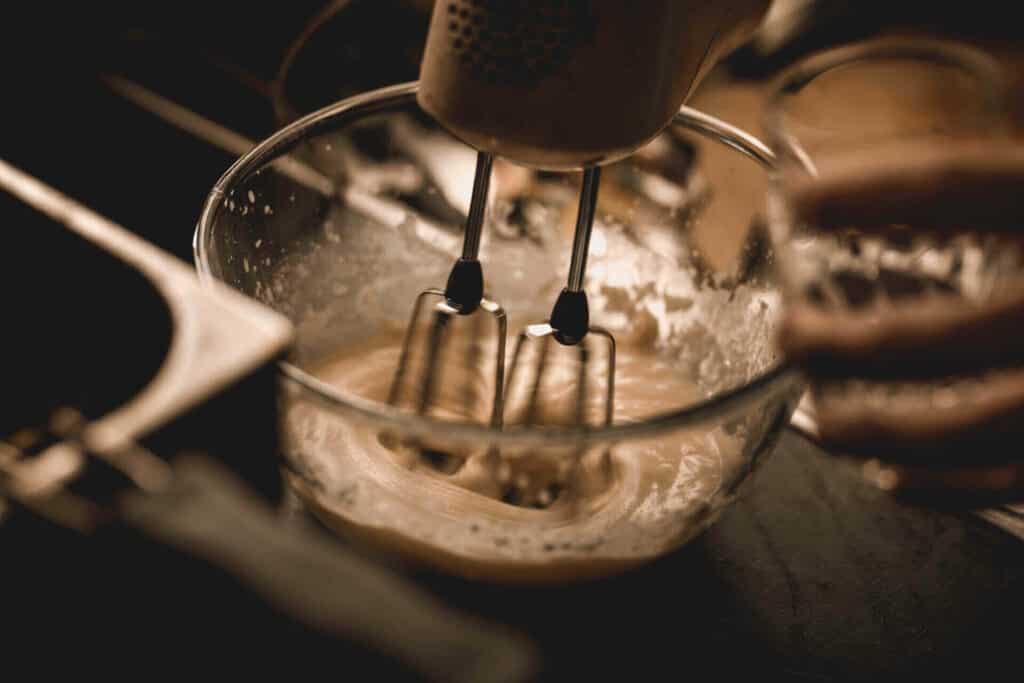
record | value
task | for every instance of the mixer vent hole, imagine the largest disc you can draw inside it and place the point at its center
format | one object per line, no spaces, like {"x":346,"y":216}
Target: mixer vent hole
{"x":517,"y":42}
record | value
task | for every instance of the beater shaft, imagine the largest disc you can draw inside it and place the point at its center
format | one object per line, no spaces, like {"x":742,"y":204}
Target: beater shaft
{"x":477,"y":205}
{"x":584,"y":227}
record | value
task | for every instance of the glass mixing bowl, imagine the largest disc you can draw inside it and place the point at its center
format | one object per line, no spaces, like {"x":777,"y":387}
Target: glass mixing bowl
{"x":339,"y":220}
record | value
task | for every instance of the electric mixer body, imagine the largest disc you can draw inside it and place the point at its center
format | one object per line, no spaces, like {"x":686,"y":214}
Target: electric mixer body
{"x":564,"y":84}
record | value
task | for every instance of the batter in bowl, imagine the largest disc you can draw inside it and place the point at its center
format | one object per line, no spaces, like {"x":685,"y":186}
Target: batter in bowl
{"x":609,"y":508}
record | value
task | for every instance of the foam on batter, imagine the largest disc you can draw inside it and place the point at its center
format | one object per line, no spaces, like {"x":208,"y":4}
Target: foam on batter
{"x":617,"y":507}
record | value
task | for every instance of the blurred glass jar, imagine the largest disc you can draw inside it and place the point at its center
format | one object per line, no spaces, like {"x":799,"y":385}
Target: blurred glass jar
{"x":879,"y":107}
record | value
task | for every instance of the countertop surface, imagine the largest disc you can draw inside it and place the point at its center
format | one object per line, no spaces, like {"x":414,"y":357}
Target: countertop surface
{"x":812,"y":575}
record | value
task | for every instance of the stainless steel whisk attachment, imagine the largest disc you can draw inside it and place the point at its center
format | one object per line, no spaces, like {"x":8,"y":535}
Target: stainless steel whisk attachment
{"x":569,"y":325}
{"x":463,"y":295}
{"x":544,"y":391}
{"x":523,"y":479}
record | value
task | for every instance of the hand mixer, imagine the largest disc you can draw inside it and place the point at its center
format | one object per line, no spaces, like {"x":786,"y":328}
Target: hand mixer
{"x":557,"y":85}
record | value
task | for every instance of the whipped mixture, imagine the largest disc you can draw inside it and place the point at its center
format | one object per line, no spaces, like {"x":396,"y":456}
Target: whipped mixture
{"x":545,"y":514}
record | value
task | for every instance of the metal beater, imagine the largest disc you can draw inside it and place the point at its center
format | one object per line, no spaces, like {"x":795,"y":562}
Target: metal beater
{"x":463,"y":295}
{"x":569,"y":323}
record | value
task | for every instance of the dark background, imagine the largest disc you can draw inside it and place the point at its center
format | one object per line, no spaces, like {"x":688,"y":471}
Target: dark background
{"x":813,"y":576}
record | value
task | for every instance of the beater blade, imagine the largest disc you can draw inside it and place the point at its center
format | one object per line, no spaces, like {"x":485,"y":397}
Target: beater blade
{"x":463,"y":295}
{"x":530,"y":392}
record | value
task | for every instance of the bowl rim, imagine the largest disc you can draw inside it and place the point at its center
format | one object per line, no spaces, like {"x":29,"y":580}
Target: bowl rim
{"x":774,"y":380}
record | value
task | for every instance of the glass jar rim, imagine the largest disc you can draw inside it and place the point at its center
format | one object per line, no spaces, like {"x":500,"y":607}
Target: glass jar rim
{"x":941,"y":52}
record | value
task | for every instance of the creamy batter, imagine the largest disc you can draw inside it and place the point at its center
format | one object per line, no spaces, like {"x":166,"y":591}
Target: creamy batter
{"x":540,"y":515}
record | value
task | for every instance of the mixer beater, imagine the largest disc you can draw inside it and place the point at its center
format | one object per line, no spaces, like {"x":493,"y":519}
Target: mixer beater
{"x":463,"y":295}
{"x":568,"y":325}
